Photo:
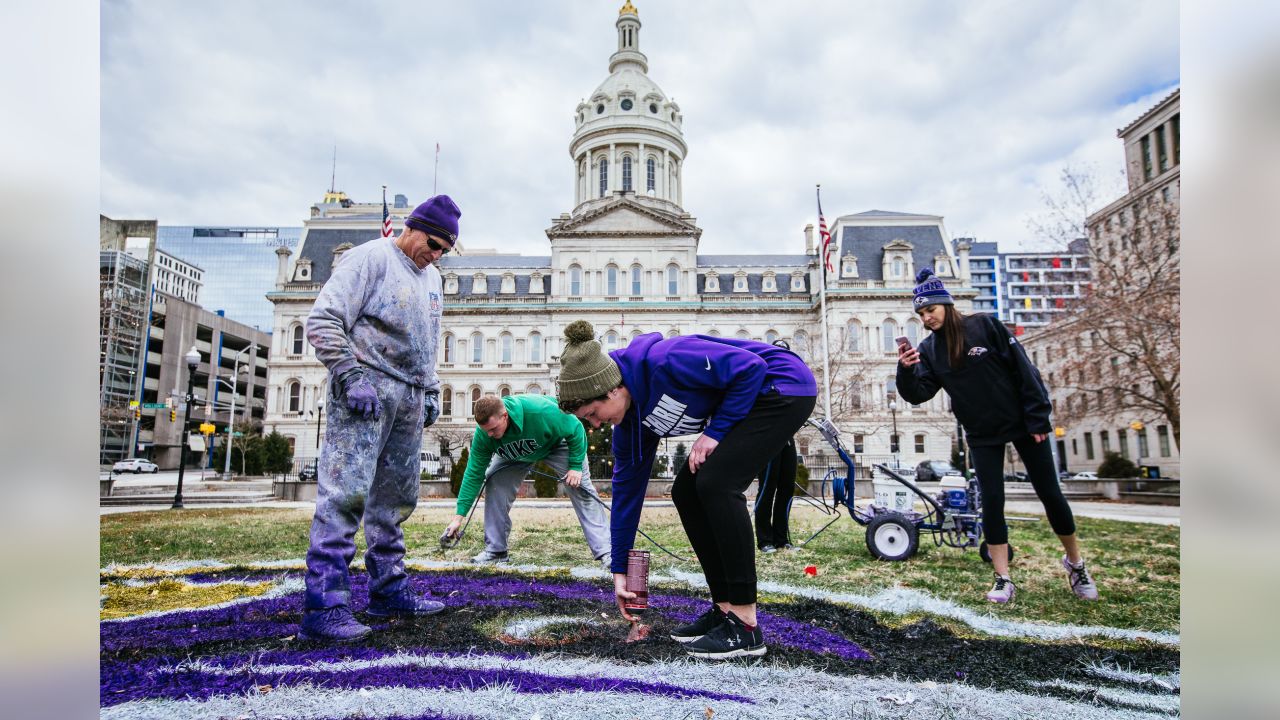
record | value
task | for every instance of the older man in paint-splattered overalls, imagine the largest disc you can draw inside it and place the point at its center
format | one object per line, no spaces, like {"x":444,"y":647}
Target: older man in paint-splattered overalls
{"x":376,"y":327}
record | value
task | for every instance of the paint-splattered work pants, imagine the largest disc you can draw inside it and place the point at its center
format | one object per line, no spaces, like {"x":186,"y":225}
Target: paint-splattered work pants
{"x":368,"y":470}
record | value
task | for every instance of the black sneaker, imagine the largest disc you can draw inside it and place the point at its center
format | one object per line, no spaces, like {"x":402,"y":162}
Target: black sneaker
{"x":699,"y":627}
{"x":729,"y":639}
{"x":335,"y":624}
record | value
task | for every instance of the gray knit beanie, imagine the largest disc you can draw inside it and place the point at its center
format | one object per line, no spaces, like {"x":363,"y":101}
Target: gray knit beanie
{"x":585,"y":371}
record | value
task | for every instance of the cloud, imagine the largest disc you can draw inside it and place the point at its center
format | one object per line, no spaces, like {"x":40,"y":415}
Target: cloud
{"x":228,"y":113}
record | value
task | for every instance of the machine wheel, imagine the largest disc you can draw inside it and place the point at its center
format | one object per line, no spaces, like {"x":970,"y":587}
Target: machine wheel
{"x":985,"y":553}
{"x":892,"y":537}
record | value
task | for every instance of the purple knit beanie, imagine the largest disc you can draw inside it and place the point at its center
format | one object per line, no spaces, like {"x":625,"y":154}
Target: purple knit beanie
{"x":437,"y":216}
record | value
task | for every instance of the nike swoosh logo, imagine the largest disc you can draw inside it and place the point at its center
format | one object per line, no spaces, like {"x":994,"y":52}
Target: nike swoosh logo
{"x":708,"y":362}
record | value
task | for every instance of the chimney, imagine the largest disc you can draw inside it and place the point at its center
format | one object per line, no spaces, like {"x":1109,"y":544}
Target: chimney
{"x":808,"y":239}
{"x":282,"y":266}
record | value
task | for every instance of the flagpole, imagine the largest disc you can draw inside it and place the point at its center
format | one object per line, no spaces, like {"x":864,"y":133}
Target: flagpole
{"x":822,"y":295}
{"x":435,"y":173}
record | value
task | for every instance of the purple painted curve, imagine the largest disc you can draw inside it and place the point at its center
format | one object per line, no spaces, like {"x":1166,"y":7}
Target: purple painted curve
{"x":154,"y":680}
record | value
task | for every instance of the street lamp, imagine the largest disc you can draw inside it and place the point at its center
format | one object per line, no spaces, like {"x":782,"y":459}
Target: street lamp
{"x":319,"y":414}
{"x":893,"y":441}
{"x":192,"y":358}
{"x":231,"y":415}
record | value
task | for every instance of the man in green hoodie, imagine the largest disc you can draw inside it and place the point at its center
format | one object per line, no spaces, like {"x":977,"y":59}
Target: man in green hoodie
{"x":514,"y":433}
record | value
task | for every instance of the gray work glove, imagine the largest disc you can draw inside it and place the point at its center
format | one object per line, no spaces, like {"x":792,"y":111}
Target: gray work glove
{"x":360,"y":395}
{"x":430,"y":408}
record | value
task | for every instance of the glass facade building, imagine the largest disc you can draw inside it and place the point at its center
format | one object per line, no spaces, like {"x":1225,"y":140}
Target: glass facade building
{"x":239,"y":266}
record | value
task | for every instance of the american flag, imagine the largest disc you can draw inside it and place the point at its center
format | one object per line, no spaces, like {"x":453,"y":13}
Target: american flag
{"x":824,"y":235}
{"x":386,"y":215}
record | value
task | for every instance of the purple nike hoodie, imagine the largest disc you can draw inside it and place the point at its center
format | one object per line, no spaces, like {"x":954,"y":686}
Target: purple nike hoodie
{"x":683,"y":386}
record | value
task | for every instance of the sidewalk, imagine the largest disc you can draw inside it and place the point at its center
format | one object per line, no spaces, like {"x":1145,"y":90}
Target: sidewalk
{"x":1128,"y":512}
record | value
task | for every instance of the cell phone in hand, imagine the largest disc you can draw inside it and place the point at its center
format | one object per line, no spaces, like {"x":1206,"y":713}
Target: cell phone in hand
{"x":903,"y":341}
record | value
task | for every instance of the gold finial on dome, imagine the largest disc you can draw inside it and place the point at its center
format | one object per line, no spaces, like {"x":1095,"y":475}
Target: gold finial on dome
{"x":629,"y":9}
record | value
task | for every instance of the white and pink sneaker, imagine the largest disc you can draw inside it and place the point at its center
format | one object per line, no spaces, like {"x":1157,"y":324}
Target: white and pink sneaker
{"x":1081,"y":584}
{"x":1002,"y":591}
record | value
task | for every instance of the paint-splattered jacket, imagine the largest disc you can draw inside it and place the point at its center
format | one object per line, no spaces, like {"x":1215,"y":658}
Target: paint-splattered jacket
{"x":379,"y":310}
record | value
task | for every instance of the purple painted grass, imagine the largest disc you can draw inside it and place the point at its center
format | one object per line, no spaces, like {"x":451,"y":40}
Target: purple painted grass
{"x":124,"y":677}
{"x":505,"y":591}
{"x":157,"y":679}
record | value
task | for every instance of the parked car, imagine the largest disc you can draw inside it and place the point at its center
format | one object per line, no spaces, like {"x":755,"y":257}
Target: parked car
{"x":429,"y":463}
{"x":307,"y":473}
{"x":135,"y":465}
{"x":1085,"y":476}
{"x":1015,"y":476}
{"x":933,"y":470}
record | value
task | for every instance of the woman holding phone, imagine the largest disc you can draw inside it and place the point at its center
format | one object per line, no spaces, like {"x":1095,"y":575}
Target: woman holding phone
{"x":998,"y":396}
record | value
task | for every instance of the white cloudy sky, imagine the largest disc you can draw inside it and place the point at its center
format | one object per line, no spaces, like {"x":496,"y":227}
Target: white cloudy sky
{"x":228,"y":112}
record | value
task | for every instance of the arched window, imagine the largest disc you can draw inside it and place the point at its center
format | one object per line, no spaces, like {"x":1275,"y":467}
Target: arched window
{"x":854,"y":331}
{"x":898,"y":267}
{"x":295,"y":396}
{"x":854,"y":394}
{"x":504,"y":344}
{"x":450,"y":348}
{"x":533,"y":390}
{"x":475,"y":395}
{"x":610,"y":341}
{"x":575,"y":281}
{"x":535,"y":347}
{"x":890,"y":331}
{"x":913,"y":331}
{"x":626,"y":173}
{"x":650,"y":174}
{"x":611,"y":280}
{"x":673,"y":279}
{"x":477,"y":348}
{"x":446,"y":401}
{"x":297,"y":340}
{"x":770,"y":336}
{"x":604,"y":176}
{"x":635,"y":280}
{"x":742,"y":335}
{"x":504,"y":391}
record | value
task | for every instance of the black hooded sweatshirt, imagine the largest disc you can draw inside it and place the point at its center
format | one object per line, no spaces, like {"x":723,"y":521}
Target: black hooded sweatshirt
{"x":997,"y":394}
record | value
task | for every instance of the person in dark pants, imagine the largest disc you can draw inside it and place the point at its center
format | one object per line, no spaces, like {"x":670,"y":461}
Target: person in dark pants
{"x":773,"y":501}
{"x":998,"y":396}
{"x":746,"y":398}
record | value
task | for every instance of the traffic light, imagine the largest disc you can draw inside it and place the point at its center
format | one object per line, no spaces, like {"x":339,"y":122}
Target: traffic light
{"x":173,"y":416}
{"x":137,"y":413}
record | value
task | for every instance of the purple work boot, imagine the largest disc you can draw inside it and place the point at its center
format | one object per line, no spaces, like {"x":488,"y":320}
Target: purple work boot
{"x":1002,"y":591}
{"x":1081,"y":584}
{"x":335,"y":624}
{"x":402,"y":602}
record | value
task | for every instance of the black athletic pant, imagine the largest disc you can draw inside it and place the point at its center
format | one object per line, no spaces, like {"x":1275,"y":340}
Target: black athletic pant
{"x":988,"y":461}
{"x":773,"y":502}
{"x":713,"y":504}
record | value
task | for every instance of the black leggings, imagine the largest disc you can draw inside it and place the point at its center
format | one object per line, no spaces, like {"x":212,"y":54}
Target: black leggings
{"x":773,"y":502}
{"x":988,"y":462}
{"x":712,"y":502}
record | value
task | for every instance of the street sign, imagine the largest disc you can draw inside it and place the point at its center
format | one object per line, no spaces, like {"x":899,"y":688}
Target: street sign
{"x":154,"y":406}
{"x":207,"y":428}
{"x":196,"y":442}
{"x":133,"y":403}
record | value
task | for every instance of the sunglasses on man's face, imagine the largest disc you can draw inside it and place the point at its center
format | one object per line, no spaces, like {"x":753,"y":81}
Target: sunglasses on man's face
{"x":437,"y":247}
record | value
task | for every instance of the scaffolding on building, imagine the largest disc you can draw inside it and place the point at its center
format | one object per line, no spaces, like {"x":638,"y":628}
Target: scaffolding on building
{"x":122,"y":285}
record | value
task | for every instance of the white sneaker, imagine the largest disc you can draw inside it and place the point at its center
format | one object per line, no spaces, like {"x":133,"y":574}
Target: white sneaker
{"x":1081,"y":584}
{"x":1002,"y":591}
{"x":490,"y":558}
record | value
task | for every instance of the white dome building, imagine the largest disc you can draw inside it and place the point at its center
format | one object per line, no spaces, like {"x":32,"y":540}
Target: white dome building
{"x":627,"y":135}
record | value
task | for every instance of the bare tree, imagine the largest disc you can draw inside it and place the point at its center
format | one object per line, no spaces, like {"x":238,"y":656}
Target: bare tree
{"x":1121,"y":344}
